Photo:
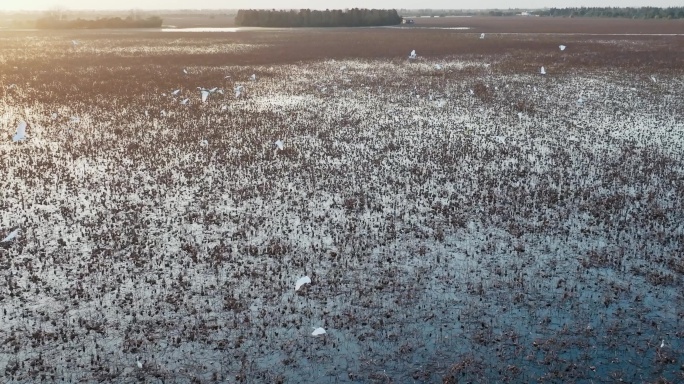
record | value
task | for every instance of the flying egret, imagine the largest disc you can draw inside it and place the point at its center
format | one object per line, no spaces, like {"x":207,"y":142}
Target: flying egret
{"x":205,"y":93}
{"x":542,"y":70}
{"x":11,"y":236}
{"x":500,"y":139}
{"x":302,"y":281}
{"x":185,"y":101}
{"x":21,"y":132}
{"x":482,"y":36}
{"x":238,"y":91}
{"x":562,"y":47}
{"x":653,"y":79}
{"x":318,"y":331}
{"x":175,"y":92}
{"x":413,"y":54}
{"x":279,"y":144}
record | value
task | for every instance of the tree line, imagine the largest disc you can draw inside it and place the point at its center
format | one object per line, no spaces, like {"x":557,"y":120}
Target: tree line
{"x":354,"y":17}
{"x":629,"y":12}
{"x":52,"y":22}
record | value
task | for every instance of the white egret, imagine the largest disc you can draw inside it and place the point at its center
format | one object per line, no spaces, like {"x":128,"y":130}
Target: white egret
{"x":21,"y":132}
{"x":542,"y":70}
{"x":238,"y":91}
{"x":562,"y":47}
{"x":482,"y":35}
{"x":413,"y":54}
{"x":302,"y":281}
{"x":318,"y":331}
{"x":253,"y":77}
{"x":11,"y":236}
{"x":279,"y":144}
{"x":205,"y":93}
{"x":175,"y":92}
{"x":185,"y":101}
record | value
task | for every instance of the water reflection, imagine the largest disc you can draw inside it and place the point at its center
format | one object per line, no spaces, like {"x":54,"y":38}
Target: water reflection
{"x":200,"y":29}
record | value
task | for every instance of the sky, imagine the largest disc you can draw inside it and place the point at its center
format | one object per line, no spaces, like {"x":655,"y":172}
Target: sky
{"x":33,"y":5}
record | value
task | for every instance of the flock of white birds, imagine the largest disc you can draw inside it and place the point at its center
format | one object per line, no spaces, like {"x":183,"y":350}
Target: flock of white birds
{"x":440,"y":220}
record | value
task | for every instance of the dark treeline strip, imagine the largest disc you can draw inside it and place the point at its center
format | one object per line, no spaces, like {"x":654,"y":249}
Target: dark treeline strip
{"x":354,"y":17}
{"x":628,"y":13}
{"x":632,"y":13}
{"x":110,"y":22}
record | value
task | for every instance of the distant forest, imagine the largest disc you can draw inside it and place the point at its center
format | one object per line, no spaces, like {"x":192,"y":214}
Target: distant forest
{"x":110,"y":22}
{"x":354,"y":17}
{"x":631,"y":13}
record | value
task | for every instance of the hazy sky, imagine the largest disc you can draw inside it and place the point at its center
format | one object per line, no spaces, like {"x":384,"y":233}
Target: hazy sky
{"x":317,"y":4}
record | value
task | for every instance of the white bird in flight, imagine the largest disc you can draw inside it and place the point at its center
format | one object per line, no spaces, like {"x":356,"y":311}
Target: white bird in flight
{"x":185,"y":101}
{"x":21,"y":132}
{"x":11,"y":236}
{"x":562,"y":47}
{"x":302,"y":281}
{"x":318,"y":331}
{"x":175,"y":92}
{"x":205,"y":93}
{"x":238,"y":91}
{"x":279,"y":144}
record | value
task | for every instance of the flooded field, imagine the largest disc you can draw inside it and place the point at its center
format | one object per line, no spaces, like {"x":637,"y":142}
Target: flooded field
{"x":460,"y":216}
